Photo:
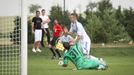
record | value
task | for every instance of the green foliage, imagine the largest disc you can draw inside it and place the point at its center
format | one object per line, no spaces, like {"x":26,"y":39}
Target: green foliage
{"x":94,"y":29}
{"x":30,"y":35}
{"x":128,"y":21}
{"x":104,"y":5}
{"x":33,"y":8}
{"x":57,"y":13}
{"x":105,"y":24}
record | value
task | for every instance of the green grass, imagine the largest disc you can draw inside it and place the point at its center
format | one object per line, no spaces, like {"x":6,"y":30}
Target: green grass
{"x":120,"y":61}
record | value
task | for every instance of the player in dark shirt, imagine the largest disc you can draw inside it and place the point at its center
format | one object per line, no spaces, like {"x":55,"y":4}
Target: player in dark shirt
{"x":37,"y":31}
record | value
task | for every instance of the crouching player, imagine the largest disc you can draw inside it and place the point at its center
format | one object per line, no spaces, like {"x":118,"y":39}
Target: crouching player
{"x":75,"y":55}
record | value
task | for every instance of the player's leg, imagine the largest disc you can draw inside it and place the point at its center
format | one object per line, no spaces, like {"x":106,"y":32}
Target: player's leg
{"x":85,"y":48}
{"x":39,"y":40}
{"x":100,"y":61}
{"x":42,"y":39}
{"x":35,"y":41}
{"x":56,"y":50}
{"x":51,"y":48}
{"x":93,"y":57}
{"x":48,"y":35}
{"x":34,"y":47}
{"x":90,"y":64}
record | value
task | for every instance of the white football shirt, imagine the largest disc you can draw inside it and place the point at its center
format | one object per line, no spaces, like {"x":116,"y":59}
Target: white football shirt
{"x":78,"y":29}
{"x":44,"y":18}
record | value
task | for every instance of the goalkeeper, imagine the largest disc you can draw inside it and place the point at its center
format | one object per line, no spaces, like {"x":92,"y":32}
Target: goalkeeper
{"x":74,"y":54}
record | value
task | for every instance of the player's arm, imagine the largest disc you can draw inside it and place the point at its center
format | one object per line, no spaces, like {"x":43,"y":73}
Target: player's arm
{"x":33,"y":28}
{"x":78,"y":38}
{"x":47,"y":21}
{"x":79,"y":32}
{"x":33,"y":25}
{"x":70,"y":32}
{"x":41,"y":23}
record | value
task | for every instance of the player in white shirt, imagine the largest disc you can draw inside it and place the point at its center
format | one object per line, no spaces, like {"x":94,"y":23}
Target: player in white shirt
{"x":45,"y":27}
{"x":82,"y":37}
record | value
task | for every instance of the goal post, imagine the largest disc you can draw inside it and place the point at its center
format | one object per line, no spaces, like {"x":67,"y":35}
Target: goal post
{"x":24,"y":37}
{"x":13,"y":37}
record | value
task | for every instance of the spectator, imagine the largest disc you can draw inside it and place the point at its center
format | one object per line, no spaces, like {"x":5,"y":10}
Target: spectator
{"x":36,"y":30}
{"x":45,"y":27}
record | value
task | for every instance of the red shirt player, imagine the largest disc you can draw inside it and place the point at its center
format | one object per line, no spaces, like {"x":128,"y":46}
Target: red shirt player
{"x":56,"y":34}
{"x":57,"y":29}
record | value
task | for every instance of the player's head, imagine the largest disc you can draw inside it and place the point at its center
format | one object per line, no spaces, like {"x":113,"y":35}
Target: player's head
{"x":66,"y":45}
{"x":43,"y":11}
{"x":65,"y":30}
{"x":37,"y":13}
{"x":55,"y":21}
{"x":73,"y":17}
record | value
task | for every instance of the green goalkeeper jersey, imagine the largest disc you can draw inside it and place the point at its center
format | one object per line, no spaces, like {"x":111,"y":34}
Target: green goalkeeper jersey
{"x":75,"y":55}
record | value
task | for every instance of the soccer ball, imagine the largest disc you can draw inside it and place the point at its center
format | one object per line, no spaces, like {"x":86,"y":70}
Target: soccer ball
{"x":60,"y":63}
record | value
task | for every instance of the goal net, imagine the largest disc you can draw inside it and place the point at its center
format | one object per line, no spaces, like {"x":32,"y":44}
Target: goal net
{"x":11,"y":38}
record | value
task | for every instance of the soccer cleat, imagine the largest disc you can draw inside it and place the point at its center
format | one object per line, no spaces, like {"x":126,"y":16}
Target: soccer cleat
{"x":101,"y":67}
{"x":103,"y":62}
{"x":34,"y":50}
{"x":38,"y":50}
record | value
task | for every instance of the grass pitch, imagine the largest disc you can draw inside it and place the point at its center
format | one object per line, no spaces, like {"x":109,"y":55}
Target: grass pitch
{"x":120,"y":61}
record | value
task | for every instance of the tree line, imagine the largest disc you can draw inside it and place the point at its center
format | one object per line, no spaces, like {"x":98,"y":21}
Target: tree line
{"x":102,"y":22}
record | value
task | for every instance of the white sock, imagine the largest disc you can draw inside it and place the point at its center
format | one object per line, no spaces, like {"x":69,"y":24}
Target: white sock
{"x":93,"y":57}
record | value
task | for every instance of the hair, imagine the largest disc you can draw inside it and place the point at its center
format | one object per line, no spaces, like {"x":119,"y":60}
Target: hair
{"x":66,"y":45}
{"x":73,"y":14}
{"x":42,"y":10}
{"x":37,"y":11}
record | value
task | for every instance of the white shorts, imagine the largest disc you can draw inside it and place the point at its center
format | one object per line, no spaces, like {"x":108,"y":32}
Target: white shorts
{"x":85,"y":45}
{"x":37,"y":35}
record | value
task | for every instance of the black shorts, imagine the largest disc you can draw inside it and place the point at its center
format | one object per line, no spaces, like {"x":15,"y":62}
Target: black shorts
{"x":53,"y":42}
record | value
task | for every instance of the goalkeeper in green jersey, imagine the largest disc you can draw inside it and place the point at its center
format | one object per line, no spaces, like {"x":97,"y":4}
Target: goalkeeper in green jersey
{"x":74,"y":54}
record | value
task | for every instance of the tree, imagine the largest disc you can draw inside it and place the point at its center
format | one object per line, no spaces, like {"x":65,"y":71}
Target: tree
{"x":95,"y":29}
{"x":129,"y":21}
{"x":114,"y":31}
{"x":34,"y":7}
{"x":104,"y":24}
{"x":91,"y":6}
{"x":104,"y":5}
{"x":57,"y":13}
